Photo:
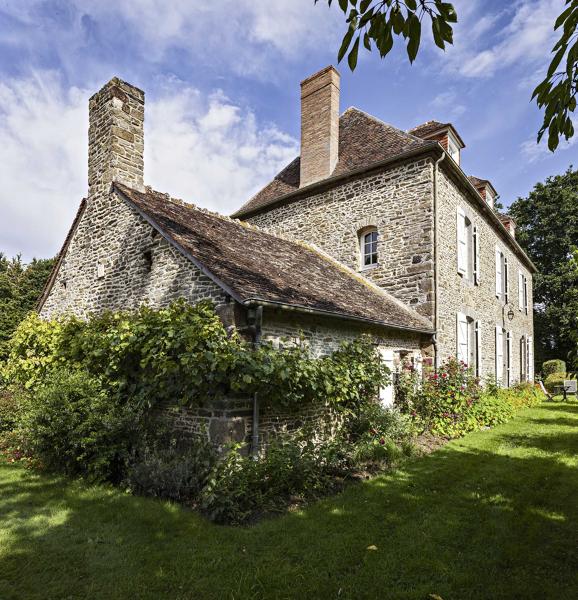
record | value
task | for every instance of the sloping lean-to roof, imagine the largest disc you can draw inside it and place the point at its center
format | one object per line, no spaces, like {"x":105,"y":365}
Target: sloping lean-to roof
{"x":255,"y":266}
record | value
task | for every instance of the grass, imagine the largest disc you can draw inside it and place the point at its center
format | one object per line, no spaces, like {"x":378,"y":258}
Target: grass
{"x":494,"y":515}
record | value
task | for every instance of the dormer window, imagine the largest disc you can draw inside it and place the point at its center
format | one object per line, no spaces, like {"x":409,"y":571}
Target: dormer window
{"x":368,"y":247}
{"x":489,"y":196}
{"x":453,"y":147}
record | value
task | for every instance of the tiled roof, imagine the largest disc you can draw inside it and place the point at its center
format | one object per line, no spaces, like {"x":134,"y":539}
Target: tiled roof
{"x":363,"y":141}
{"x":254,"y":265}
{"x":427,"y":130}
{"x":478,"y":183}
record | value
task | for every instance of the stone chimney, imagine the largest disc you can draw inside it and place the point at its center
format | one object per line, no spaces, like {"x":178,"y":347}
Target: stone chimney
{"x":319,"y":125}
{"x":115,"y":137}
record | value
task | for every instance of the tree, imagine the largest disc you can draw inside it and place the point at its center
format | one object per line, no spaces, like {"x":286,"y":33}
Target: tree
{"x":378,"y":22}
{"x":20,"y":288}
{"x":547,"y":228}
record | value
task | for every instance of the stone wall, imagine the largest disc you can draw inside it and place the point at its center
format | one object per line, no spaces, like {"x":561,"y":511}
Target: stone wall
{"x":230,"y":420}
{"x":397,"y":201}
{"x":457,"y":294}
{"x":323,"y":335}
{"x":118,"y":261}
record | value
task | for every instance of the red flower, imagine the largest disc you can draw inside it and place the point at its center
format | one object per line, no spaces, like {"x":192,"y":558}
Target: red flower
{"x":382,"y":441}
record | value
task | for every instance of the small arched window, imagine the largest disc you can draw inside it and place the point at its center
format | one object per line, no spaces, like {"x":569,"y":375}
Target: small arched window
{"x":368,"y":244}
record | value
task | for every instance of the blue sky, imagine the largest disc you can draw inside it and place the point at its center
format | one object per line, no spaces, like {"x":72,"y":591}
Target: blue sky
{"x":222,"y":96}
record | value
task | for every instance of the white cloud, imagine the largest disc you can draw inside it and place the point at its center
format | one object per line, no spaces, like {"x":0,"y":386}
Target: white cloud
{"x":207,"y":150}
{"x":486,"y":43}
{"x":534,"y":152}
{"x":245,"y":37}
{"x":447,"y":105}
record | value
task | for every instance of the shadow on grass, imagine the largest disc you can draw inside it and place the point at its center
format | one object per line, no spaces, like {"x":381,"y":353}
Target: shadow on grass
{"x":485,"y":517}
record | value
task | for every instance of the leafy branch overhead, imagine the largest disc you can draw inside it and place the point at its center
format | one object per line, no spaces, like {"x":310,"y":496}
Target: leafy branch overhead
{"x":378,"y":23}
{"x":556,"y":94}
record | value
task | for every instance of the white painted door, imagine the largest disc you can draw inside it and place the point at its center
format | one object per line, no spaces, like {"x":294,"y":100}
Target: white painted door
{"x":386,"y":393}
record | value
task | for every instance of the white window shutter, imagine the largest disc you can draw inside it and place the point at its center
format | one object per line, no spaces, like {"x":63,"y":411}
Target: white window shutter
{"x":520,"y":290}
{"x":530,"y":354}
{"x":523,"y":362}
{"x":478,"y":348}
{"x":505,"y":277}
{"x":525,"y":295}
{"x":509,"y":358}
{"x":499,"y":354}
{"x":462,"y":241}
{"x":462,"y":337}
{"x":498,"y":273}
{"x":477,"y":270}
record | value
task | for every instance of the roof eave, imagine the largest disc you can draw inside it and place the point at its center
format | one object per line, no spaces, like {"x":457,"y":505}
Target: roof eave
{"x":328,"y":313}
{"x":430,"y":146}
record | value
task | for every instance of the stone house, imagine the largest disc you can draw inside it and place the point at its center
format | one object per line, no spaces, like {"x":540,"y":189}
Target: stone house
{"x":371,"y":230}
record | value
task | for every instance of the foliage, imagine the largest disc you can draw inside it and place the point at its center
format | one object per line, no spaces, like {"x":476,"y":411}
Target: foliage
{"x":553,"y":366}
{"x":378,"y":23}
{"x":20,"y":288}
{"x":71,"y":425}
{"x":165,"y":469}
{"x":451,"y":402}
{"x":10,"y":403}
{"x":295,"y":467}
{"x":558,"y":91}
{"x":547,"y":229}
{"x":183,"y":353}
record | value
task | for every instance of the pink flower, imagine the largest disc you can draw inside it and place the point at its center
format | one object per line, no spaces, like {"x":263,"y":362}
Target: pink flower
{"x":382,"y":441}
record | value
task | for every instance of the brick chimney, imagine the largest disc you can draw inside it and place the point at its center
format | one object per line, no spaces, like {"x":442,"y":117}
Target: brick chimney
{"x":319,"y":125}
{"x":115,"y":137}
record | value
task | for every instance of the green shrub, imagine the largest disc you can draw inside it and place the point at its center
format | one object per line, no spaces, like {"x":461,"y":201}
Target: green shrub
{"x":183,"y":353}
{"x":10,"y":409}
{"x":171,"y":471}
{"x":451,"y":402}
{"x":71,"y":425}
{"x":294,"y":467}
{"x":553,"y":366}
{"x":554,"y":380}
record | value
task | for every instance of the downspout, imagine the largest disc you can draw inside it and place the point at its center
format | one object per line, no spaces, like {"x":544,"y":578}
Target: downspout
{"x":257,"y":329}
{"x":435,"y":260}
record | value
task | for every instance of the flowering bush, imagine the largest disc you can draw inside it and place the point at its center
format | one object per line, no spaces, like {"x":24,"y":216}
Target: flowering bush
{"x":451,"y":401}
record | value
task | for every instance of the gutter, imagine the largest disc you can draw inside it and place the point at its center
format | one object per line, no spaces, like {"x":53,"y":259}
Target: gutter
{"x":435,"y":260}
{"x":328,"y":313}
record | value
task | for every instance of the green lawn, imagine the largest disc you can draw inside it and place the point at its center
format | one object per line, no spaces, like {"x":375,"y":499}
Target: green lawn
{"x":494,"y":515}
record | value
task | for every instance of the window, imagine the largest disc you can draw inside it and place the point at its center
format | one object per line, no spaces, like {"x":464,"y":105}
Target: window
{"x":469,"y":341}
{"x":522,"y":292}
{"x":502,"y":286}
{"x":368,"y":242}
{"x":489,"y":196}
{"x":453,"y":149}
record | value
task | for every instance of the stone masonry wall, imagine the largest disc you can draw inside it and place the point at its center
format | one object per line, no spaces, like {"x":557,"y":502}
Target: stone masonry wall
{"x":397,"y":201}
{"x":456,"y":294}
{"x":324,"y":335}
{"x":118,"y":261}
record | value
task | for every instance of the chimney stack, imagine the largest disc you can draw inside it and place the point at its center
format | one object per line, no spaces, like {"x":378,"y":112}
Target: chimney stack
{"x":319,"y":125}
{"x":115,"y":137}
